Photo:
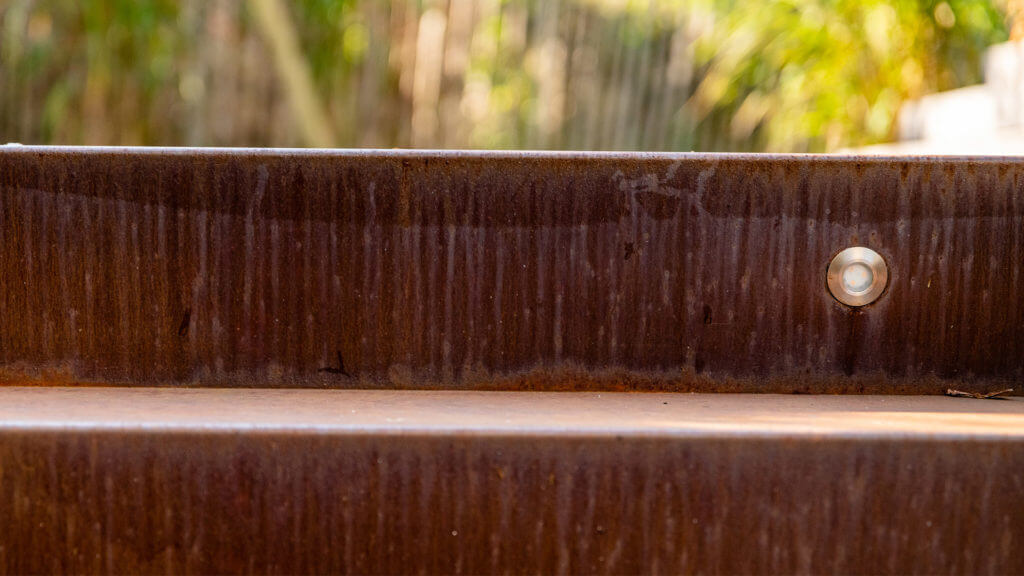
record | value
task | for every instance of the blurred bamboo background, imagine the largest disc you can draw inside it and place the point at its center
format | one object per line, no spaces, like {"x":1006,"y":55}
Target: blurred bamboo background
{"x":725,"y":75}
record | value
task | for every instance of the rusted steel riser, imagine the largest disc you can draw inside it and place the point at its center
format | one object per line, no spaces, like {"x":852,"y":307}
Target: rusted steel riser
{"x":514,"y":271}
{"x":100,"y":502}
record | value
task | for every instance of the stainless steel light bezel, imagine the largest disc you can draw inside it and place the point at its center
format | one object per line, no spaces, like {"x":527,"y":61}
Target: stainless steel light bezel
{"x":852,"y":257}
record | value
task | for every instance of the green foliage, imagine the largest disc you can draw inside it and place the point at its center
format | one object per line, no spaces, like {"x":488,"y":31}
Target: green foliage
{"x":819,"y":74}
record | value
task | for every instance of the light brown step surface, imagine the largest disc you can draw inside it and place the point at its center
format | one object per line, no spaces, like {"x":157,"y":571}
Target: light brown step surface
{"x":385,"y":412}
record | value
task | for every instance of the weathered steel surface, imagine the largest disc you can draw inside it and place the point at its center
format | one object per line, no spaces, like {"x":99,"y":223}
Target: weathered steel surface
{"x":506,"y":270}
{"x":299,"y":481}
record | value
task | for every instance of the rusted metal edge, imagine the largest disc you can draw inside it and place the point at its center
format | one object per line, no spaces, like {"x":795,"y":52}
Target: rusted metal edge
{"x":515,"y":271}
{"x":291,"y":481}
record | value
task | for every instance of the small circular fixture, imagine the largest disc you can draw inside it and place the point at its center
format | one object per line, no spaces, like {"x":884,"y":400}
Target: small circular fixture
{"x":857,"y":276}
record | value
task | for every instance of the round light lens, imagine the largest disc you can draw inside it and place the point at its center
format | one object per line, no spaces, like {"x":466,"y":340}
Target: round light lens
{"x":857,"y":278}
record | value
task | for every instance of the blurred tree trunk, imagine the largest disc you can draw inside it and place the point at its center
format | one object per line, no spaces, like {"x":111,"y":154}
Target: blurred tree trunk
{"x":276,"y":26}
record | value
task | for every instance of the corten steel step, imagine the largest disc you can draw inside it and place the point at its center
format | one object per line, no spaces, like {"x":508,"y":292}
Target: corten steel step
{"x":373,"y":481}
{"x":514,"y":271}
{"x":471,"y":322}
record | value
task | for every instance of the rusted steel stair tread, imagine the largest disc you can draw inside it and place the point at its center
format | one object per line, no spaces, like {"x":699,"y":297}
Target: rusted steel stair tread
{"x":301,"y":481}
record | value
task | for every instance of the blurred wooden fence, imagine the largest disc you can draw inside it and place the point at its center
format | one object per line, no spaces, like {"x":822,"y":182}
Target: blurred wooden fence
{"x":461,"y":73}
{"x":546,"y":74}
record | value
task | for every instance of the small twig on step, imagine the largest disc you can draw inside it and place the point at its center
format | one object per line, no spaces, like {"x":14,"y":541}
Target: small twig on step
{"x":991,"y":395}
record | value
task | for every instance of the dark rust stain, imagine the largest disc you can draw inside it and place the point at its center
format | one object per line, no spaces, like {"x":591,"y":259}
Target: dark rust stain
{"x":340,"y":369}
{"x":186,"y":319}
{"x":526,"y":271}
